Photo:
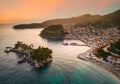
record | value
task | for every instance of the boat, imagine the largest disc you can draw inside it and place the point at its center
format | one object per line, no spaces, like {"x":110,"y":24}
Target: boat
{"x":65,"y":44}
{"x":8,"y":47}
{"x":73,"y":44}
{"x":83,"y":58}
{"x":6,"y":51}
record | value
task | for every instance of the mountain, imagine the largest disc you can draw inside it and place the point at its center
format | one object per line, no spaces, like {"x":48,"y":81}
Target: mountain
{"x":112,"y":18}
{"x":74,"y":20}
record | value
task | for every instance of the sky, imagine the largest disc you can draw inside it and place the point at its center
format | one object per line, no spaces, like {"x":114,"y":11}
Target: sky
{"x":24,"y":11}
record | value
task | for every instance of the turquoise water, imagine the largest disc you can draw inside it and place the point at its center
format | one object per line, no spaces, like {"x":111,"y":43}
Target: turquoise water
{"x":66,"y":68}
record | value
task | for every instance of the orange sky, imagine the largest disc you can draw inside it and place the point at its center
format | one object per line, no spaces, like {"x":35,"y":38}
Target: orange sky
{"x":40,"y":10}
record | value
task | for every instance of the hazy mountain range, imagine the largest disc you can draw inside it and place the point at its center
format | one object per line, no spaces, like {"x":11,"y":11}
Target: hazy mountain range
{"x":112,"y":19}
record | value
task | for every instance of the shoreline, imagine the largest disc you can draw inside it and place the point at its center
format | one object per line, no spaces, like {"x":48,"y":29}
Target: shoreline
{"x":104,"y":66}
{"x":101,"y":64}
{"x":108,"y":68}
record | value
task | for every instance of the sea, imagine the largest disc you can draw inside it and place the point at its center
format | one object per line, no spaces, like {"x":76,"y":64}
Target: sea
{"x":66,"y":68}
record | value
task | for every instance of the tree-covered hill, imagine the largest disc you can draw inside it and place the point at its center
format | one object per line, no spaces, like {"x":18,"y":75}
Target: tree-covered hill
{"x":53,"y":31}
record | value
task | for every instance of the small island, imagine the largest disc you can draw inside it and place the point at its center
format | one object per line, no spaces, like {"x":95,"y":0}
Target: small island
{"x":39,"y":57}
{"x":53,"y":32}
{"x":28,"y":26}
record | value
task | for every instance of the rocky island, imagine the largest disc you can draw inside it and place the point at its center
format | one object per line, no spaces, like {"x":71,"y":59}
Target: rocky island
{"x":39,"y":57}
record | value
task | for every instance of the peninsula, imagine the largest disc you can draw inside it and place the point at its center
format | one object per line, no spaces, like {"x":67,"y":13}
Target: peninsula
{"x":53,"y":31}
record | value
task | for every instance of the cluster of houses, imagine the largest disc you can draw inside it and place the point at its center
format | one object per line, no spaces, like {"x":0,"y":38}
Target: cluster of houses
{"x":115,"y":61}
{"x":94,"y":37}
{"x":112,"y":59}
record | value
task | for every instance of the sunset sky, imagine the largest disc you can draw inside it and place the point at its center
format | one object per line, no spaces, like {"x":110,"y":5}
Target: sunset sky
{"x":40,"y":10}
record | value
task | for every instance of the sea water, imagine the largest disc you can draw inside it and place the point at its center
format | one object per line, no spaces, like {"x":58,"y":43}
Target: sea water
{"x":66,"y":68}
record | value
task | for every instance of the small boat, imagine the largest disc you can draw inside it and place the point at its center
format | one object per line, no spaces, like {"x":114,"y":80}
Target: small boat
{"x":8,"y":47}
{"x":22,"y":61}
{"x":6,"y":51}
{"x":19,"y":62}
{"x":32,"y":63}
{"x":73,"y":44}
{"x":83,"y":58}
{"x":65,"y":43}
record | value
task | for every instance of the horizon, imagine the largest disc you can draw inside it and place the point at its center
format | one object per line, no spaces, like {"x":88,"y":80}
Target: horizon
{"x":37,"y":11}
{"x":30,"y":22}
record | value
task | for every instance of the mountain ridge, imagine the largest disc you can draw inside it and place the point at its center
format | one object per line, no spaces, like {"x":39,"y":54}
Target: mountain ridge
{"x":83,"y":19}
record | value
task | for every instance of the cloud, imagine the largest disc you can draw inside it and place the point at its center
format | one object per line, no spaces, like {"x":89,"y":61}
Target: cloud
{"x":28,"y":9}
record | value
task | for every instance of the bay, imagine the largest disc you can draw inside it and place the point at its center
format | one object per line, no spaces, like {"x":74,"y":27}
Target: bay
{"x":66,"y":68}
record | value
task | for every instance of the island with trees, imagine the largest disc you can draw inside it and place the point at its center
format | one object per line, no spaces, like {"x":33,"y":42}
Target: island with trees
{"x":53,"y":31}
{"x":39,"y":57}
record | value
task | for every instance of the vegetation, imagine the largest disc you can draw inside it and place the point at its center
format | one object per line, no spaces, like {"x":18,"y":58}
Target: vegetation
{"x":106,"y":21}
{"x":41,"y":54}
{"x":23,"y":46}
{"x":53,"y":31}
{"x":115,"y":47}
{"x":39,"y":57}
{"x":112,"y":18}
{"x":102,"y":53}
{"x":118,"y":27}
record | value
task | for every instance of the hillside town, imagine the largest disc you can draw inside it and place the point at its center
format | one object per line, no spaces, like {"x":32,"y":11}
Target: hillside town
{"x":96,"y":38}
{"x":92,"y":36}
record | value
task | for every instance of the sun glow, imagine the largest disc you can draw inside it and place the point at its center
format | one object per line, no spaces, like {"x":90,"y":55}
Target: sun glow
{"x":18,"y":10}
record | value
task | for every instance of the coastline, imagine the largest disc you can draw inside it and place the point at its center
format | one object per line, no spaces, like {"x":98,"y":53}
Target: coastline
{"x":110,"y":70}
{"x":104,"y":66}
{"x":107,"y":67}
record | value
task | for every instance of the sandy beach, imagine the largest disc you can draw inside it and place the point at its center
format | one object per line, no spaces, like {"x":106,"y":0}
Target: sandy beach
{"x":110,"y":70}
{"x":107,"y":67}
{"x":115,"y":73}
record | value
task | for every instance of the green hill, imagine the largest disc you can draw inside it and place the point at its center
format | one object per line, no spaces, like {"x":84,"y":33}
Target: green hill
{"x":53,"y":31}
